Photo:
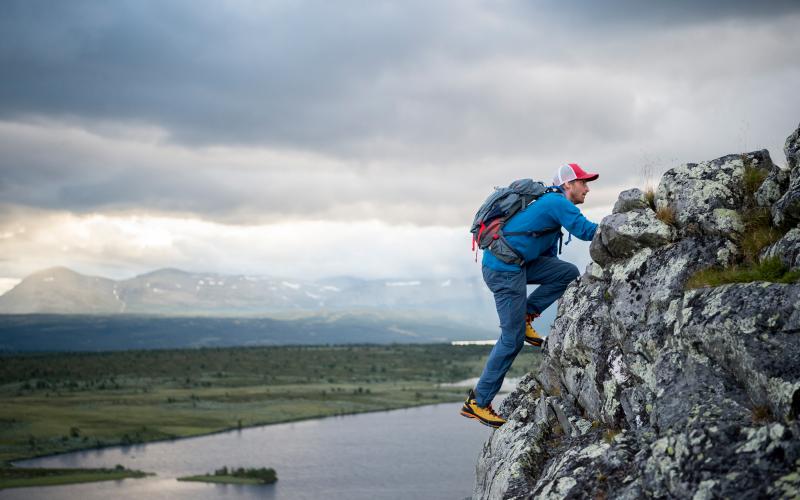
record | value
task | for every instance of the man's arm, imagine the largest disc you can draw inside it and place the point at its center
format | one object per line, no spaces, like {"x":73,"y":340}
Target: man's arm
{"x":571,"y":218}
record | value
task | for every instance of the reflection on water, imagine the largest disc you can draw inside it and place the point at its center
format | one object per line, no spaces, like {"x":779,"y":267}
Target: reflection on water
{"x":427,"y":452}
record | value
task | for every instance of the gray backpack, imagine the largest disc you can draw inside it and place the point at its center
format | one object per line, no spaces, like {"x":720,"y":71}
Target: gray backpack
{"x":499,"y":207}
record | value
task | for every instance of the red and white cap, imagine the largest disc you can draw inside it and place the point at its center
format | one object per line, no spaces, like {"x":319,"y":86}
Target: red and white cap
{"x":571,"y":172}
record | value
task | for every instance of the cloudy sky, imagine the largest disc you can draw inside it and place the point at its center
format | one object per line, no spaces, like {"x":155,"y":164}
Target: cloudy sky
{"x":313,"y":138}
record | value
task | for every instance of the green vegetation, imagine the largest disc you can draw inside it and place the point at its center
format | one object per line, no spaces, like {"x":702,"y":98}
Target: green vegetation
{"x":236,"y":476}
{"x":771,"y":270}
{"x":761,"y":414}
{"x":62,"y":402}
{"x":753,"y":177}
{"x":650,"y":197}
{"x":609,"y":435}
{"x":757,"y":221}
{"x":665,"y":214}
{"x":15,"y":477}
{"x":758,"y":234}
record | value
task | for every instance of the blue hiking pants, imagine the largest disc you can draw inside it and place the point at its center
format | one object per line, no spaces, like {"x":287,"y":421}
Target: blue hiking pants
{"x":510,"y":289}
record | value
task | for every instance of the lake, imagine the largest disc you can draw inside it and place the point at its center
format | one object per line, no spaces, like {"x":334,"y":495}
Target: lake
{"x":426,"y":453}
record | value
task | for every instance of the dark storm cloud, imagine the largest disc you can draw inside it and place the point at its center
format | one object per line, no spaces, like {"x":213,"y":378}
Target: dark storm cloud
{"x":206,"y":71}
{"x":651,"y":15}
{"x":395,"y":100}
{"x":326,"y":75}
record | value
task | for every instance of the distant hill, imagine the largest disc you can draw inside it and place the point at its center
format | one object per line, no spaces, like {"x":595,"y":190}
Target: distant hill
{"x":54,"y":332}
{"x":179,"y":293}
{"x":60,"y":309}
{"x":61,"y":290}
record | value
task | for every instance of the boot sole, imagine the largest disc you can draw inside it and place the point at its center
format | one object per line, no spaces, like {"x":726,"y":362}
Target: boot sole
{"x":534,"y":343}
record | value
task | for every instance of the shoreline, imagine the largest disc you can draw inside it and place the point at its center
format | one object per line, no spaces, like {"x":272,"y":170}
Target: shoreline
{"x":13,"y":462}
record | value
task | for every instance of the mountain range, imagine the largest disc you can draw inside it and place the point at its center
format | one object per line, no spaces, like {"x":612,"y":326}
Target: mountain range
{"x":173,"y":292}
{"x":60,"y":309}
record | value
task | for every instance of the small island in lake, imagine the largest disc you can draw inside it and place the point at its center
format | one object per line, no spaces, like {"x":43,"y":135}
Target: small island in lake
{"x":236,"y":476}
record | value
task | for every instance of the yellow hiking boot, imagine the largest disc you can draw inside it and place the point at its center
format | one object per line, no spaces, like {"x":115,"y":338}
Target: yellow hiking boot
{"x":531,"y":336}
{"x":484,"y":415}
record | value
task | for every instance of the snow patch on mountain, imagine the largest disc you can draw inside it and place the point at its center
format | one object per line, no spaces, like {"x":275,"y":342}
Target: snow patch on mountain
{"x":403,"y":283}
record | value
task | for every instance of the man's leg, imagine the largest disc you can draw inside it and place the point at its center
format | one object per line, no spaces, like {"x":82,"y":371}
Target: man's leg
{"x":509,"y":295}
{"x":553,"y":275}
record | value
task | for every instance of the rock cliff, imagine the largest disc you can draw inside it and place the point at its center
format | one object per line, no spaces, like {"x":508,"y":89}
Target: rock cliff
{"x":652,"y":388}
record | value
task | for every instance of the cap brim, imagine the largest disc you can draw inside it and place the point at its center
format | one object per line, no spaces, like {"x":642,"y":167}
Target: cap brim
{"x":589,"y":177}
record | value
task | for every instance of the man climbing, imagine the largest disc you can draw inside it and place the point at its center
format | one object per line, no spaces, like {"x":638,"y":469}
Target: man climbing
{"x":553,"y":210}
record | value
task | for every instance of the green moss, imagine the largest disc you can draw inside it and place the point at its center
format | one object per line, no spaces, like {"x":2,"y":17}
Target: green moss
{"x":772,"y":270}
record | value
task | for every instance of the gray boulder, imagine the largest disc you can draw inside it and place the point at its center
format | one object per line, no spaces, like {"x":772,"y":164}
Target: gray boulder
{"x":786,"y":211}
{"x":632,"y":226}
{"x":773,"y":187}
{"x":632,"y":199}
{"x":625,"y":233}
{"x":705,"y":197}
{"x":792,"y":149}
{"x":787,"y":249}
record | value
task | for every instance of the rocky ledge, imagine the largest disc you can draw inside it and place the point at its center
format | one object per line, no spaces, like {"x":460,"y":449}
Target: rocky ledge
{"x":649,"y":388}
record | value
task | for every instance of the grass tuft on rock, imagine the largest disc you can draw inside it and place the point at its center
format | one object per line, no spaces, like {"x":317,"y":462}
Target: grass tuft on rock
{"x":753,"y":177}
{"x":758,"y":230}
{"x":761,"y":414}
{"x":756,"y":237}
{"x":772,"y":270}
{"x":650,"y":197}
{"x":609,"y":435}
{"x":666,"y":215}
{"x":758,"y":234}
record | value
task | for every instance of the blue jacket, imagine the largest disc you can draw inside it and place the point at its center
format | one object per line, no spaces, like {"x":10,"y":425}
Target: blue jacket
{"x":552,"y":210}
